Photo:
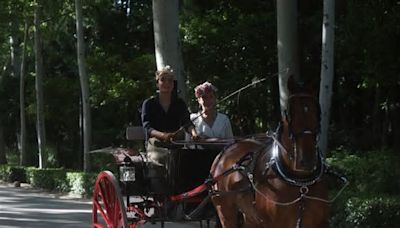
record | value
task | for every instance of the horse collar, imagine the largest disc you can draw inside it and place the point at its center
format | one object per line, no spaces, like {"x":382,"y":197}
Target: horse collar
{"x":276,"y":164}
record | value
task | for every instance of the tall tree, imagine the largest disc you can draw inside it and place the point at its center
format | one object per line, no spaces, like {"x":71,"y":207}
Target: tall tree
{"x":166,"y":39}
{"x":3,"y":71}
{"x":3,"y":159}
{"x":327,"y":70}
{"x":86,"y":117}
{"x":40,"y":124}
{"x":288,"y":60}
{"x":14,"y":43}
{"x":23,"y":151}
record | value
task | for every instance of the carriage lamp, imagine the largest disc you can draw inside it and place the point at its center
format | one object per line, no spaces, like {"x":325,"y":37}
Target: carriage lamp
{"x":127,"y":173}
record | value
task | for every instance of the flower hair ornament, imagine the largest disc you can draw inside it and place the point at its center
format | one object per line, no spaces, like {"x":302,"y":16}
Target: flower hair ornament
{"x":204,"y":88}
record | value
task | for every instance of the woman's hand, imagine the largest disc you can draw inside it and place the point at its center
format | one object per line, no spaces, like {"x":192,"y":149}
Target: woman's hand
{"x":194,"y":134}
{"x":195,"y":137}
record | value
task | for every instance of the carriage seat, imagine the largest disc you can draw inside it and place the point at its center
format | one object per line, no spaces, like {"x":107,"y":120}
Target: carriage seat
{"x":154,"y":170}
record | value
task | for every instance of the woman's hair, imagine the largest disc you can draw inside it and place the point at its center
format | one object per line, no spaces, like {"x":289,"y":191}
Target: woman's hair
{"x":204,"y":88}
{"x":165,"y":70}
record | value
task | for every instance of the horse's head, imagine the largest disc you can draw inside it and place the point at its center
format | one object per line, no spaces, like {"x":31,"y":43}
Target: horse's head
{"x":301,"y":129}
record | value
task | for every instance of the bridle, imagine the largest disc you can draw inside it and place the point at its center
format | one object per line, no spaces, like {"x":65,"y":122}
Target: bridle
{"x":293,"y":136}
{"x":288,"y":116}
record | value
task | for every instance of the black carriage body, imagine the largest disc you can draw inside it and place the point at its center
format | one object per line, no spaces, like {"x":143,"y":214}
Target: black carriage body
{"x":184,"y":170}
{"x":189,"y":168}
{"x":136,"y":195}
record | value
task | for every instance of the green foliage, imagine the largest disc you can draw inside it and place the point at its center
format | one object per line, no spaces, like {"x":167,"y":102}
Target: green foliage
{"x":230,"y":43}
{"x":4,"y":172}
{"x":58,"y":180}
{"x":366,"y":74}
{"x":372,"y":198}
{"x":232,"y":47}
{"x":12,"y":173}
{"x":102,"y":161}
{"x":81,"y":183}
{"x":50,"y":179}
{"x":17,"y":174}
{"x":374,"y":212}
{"x":370,"y":173}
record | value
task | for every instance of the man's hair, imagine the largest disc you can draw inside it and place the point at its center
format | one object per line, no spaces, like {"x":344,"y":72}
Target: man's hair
{"x":165,"y":70}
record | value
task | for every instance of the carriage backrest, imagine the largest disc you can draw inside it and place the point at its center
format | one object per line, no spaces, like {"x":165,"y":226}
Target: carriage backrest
{"x":135,"y":133}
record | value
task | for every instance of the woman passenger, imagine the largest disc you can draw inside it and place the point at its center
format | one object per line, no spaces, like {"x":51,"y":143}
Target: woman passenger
{"x":210,"y":123}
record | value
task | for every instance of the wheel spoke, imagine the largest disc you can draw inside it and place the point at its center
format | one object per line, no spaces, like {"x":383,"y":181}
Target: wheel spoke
{"x":102,"y":212}
{"x":107,"y":202}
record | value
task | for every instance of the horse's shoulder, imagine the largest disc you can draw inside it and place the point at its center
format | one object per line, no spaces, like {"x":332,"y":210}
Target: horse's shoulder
{"x":250,"y":142}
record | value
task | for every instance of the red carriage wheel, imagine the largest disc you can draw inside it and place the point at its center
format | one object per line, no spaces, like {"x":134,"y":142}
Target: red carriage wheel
{"x":108,"y":203}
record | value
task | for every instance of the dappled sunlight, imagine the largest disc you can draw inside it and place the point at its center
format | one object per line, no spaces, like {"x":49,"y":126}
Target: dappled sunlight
{"x":25,"y":207}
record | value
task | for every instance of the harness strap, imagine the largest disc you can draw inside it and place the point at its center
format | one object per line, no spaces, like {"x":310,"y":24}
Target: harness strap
{"x":206,"y":185}
{"x":194,"y":192}
{"x":204,"y":202}
{"x":300,"y":216}
{"x":238,"y":166}
{"x":198,"y":209}
{"x":330,"y":171}
{"x":243,"y":189}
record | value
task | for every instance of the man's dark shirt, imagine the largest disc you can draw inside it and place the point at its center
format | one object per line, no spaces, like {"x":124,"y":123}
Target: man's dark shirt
{"x":154,"y":116}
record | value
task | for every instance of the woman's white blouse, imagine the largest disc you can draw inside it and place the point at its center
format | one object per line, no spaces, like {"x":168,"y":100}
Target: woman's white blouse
{"x":221,"y":127}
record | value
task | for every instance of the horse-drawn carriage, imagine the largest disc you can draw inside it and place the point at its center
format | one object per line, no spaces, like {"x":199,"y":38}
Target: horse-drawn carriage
{"x":278,"y":181}
{"x":138,"y":194}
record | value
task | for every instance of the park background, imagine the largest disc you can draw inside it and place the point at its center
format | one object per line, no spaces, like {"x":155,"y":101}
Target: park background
{"x":230,"y":43}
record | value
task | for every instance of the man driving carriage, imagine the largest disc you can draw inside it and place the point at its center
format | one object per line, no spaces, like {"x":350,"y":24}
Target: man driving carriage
{"x":163,"y":117}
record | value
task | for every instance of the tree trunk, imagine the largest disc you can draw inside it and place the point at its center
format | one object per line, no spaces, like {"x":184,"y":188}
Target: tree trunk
{"x":14,"y":45}
{"x":40,"y":125}
{"x":288,"y":60}
{"x":166,"y":39}
{"x":395,"y":119}
{"x":86,"y":117}
{"x":327,"y":71}
{"x":23,"y":155}
{"x":3,"y":159}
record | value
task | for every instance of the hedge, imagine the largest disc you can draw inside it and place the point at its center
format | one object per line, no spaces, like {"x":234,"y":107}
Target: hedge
{"x":12,"y":173}
{"x":372,"y":199}
{"x":51,"y":179}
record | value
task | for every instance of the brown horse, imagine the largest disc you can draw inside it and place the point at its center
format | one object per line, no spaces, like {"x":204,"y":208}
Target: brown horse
{"x":278,"y":182}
